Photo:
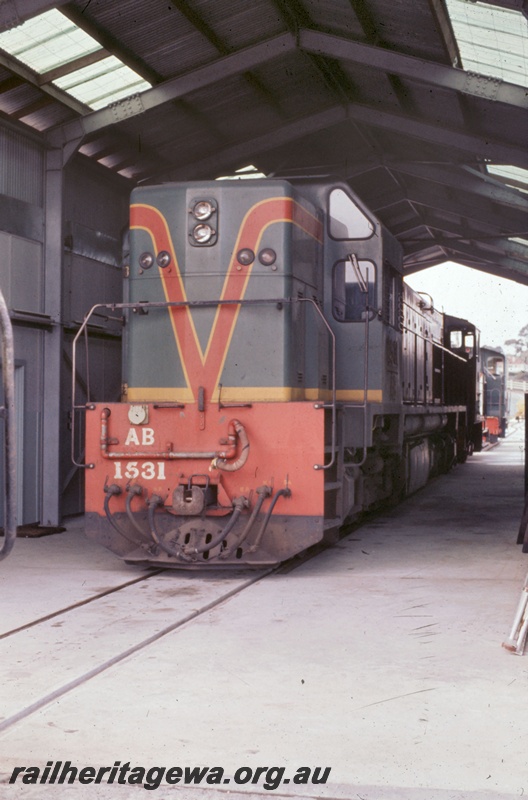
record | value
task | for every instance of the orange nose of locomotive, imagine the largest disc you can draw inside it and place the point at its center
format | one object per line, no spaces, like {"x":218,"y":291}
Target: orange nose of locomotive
{"x":166,"y":488}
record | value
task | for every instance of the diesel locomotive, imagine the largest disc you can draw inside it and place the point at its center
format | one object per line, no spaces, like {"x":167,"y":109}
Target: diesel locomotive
{"x":279,"y":377}
{"x":493,"y":394}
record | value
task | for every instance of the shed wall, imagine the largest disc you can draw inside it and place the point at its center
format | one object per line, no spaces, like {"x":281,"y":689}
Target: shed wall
{"x":95,"y":215}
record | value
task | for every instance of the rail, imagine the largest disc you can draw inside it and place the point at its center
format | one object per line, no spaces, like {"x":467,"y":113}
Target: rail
{"x":7,"y":411}
{"x":143,"y":306}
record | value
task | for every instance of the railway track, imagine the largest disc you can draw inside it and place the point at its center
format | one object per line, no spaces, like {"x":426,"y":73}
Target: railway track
{"x":55,"y":654}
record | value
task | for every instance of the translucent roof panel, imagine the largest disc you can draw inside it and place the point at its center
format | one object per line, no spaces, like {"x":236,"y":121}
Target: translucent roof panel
{"x":50,"y":40}
{"x":47,"y":41}
{"x":511,"y":176}
{"x":492,"y":41}
{"x":101,"y":83}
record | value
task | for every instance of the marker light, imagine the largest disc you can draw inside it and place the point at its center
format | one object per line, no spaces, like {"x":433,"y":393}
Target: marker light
{"x":245,"y":256}
{"x":163,"y":259}
{"x":146,"y":260}
{"x":267,"y":257}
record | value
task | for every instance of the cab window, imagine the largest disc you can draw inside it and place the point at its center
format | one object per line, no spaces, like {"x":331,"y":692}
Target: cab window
{"x":345,"y":219}
{"x":455,"y":340}
{"x":354,"y":290}
{"x":463,"y":341}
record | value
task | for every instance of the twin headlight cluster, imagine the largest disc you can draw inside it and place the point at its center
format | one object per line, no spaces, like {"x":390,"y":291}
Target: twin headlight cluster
{"x":203,"y":231}
{"x":203,"y":222}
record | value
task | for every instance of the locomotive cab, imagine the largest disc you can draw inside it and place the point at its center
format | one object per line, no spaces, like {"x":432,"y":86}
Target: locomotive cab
{"x":463,"y":387}
{"x":493,"y":394}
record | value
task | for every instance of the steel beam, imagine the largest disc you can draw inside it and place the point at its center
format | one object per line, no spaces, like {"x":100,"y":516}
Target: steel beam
{"x":497,"y":219}
{"x":501,"y":247}
{"x":461,"y":232}
{"x":463,"y":179}
{"x":419,"y":69}
{"x":472,"y":250}
{"x":250,"y":58}
{"x":50,"y":512}
{"x":175,"y":88}
{"x":502,"y":222}
{"x":31,"y":77}
{"x":72,"y":66}
{"x":234,"y":155}
{"x":479,"y":145}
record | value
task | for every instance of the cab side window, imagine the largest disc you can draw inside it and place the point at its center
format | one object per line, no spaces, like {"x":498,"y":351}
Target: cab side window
{"x":345,"y":219}
{"x":354,"y":292}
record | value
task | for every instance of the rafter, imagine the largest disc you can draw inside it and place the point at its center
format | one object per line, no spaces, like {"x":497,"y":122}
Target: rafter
{"x":175,"y":88}
{"x":463,"y":179}
{"x":237,"y":153}
{"x":456,"y":230}
{"x":420,"y":69}
{"x":32,"y":78}
{"x":498,"y":218}
{"x":474,"y":251}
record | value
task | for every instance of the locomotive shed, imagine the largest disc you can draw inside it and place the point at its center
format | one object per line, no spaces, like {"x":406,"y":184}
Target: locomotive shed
{"x":379,"y":656}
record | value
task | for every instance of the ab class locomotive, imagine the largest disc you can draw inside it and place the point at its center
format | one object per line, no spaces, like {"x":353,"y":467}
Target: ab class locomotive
{"x":279,"y":377}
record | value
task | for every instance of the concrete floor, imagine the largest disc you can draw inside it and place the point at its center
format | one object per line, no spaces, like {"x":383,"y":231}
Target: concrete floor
{"x":380,"y":658}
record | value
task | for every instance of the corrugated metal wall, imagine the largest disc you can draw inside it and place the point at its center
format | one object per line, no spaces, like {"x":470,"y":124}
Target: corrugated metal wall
{"x":95,"y":215}
{"x":21,"y":280}
{"x":22,"y":168}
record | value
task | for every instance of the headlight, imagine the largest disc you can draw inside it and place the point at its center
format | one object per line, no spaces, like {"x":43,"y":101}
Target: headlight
{"x":202,"y":233}
{"x":202,"y":210}
{"x":146,"y":260}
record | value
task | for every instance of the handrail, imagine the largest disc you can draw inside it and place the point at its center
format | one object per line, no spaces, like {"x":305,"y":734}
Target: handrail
{"x":201,"y":304}
{"x":8,"y":412}
{"x":364,"y":283}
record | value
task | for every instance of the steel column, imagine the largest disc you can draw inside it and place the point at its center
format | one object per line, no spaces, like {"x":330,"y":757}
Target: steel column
{"x":53,"y":251}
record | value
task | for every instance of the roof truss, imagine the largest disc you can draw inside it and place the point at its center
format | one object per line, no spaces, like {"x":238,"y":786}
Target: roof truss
{"x":450,"y":205}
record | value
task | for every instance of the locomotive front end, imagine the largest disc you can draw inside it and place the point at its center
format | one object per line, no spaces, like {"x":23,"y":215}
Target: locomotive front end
{"x":214,"y":455}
